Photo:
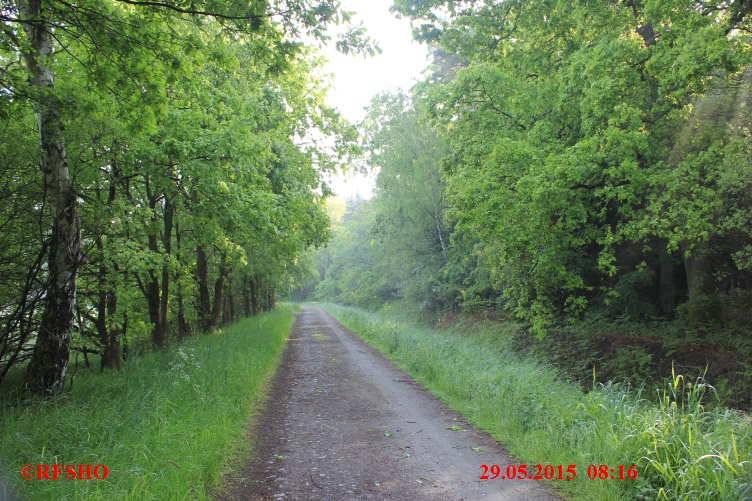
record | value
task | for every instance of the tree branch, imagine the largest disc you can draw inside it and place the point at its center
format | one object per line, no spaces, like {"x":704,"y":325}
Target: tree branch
{"x":200,"y":12}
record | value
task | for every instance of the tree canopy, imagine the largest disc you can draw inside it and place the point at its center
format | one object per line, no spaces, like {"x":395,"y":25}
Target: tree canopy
{"x":593,"y":158}
{"x":182,"y":154}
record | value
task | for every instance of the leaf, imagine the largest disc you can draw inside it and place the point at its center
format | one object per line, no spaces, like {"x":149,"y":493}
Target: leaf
{"x":454,"y":428}
{"x":477,"y":449}
{"x":388,"y":434}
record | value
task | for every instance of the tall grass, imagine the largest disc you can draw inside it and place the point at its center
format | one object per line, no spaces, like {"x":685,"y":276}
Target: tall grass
{"x":684,"y":449}
{"x":164,"y":425}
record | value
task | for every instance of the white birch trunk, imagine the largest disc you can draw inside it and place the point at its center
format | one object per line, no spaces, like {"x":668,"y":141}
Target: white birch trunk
{"x":49,"y":361}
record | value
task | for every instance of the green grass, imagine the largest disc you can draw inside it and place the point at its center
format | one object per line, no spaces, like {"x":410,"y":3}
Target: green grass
{"x":165,"y":425}
{"x":684,"y":447}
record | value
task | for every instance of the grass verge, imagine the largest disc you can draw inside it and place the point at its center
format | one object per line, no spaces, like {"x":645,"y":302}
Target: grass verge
{"x":684,"y":448}
{"x":164,"y":426}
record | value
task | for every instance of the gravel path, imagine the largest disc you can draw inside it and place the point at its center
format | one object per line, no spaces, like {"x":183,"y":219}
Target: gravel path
{"x":343,"y":423}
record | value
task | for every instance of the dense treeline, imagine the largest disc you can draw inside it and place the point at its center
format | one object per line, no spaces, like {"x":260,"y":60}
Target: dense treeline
{"x":180,"y":173}
{"x":561,"y":158}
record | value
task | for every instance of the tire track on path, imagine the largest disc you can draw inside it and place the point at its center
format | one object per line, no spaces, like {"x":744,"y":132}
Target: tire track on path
{"x":343,"y":423}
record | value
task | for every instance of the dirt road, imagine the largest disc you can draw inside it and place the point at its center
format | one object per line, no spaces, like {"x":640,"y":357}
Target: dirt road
{"x":343,"y":423}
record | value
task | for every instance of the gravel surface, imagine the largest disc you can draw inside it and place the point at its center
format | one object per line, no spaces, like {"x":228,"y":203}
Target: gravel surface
{"x":343,"y":423}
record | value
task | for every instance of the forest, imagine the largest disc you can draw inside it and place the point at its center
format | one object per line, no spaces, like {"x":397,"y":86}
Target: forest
{"x":182,"y":155}
{"x":575,"y":175}
{"x":581,"y":168}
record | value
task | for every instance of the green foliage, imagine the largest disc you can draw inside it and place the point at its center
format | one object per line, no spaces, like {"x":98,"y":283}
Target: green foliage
{"x":350,"y":266}
{"x":21,"y":256}
{"x":628,"y":298}
{"x":410,"y":200}
{"x":164,"y":425}
{"x":594,"y":157}
{"x":579,"y":131}
{"x":195,"y":146}
{"x":401,"y":244}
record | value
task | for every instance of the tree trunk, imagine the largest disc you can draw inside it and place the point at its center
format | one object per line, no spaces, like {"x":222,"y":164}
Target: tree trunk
{"x":217,"y":307}
{"x":164,"y":304}
{"x":111,"y":353}
{"x":436,"y":219}
{"x":126,"y":346}
{"x":202,"y":272}
{"x":228,"y":312}
{"x":110,"y":336}
{"x":157,"y":297}
{"x":230,"y":301}
{"x":152,"y":303}
{"x":268,"y":297}
{"x":182,"y":324}
{"x":254,"y":295}
{"x":100,"y":322}
{"x":151,"y":291}
{"x":703,"y":301}
{"x":667,"y":289}
{"x":106,"y":307}
{"x":46,"y":370}
{"x":246,"y":296}
{"x":226,"y":304}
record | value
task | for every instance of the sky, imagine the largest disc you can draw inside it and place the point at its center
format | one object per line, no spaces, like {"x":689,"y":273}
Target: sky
{"x":357,"y":79}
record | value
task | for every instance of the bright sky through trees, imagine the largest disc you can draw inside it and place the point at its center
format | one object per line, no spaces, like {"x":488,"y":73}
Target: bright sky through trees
{"x":357,"y":79}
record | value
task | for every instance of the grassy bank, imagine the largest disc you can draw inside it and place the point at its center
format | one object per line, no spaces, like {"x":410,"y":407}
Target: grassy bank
{"x":685,"y":447}
{"x":164,"y":425}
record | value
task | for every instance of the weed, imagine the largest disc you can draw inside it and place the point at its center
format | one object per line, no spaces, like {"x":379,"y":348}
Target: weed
{"x":164,"y":425}
{"x":685,"y":446}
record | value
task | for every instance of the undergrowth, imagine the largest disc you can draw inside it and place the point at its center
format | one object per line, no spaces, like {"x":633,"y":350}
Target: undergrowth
{"x":684,"y":445}
{"x":164,"y":425}
{"x":645,"y":353}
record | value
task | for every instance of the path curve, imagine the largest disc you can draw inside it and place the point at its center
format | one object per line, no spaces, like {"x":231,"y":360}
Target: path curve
{"x":343,"y":423}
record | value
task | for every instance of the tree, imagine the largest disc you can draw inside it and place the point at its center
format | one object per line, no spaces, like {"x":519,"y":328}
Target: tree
{"x":133,"y":41}
{"x":560,"y":132}
{"x":410,"y":200}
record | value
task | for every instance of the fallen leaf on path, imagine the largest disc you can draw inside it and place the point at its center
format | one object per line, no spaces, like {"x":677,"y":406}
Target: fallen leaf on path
{"x":477,"y":449}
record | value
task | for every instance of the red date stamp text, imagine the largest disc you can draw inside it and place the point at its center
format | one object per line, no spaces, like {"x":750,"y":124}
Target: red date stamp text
{"x":557,"y":472}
